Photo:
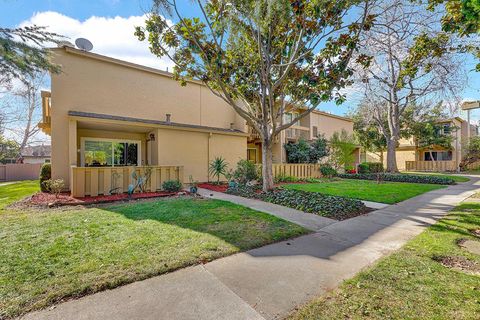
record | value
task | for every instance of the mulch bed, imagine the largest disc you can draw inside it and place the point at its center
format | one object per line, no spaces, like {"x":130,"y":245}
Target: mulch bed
{"x":214,"y":187}
{"x":48,"y":199}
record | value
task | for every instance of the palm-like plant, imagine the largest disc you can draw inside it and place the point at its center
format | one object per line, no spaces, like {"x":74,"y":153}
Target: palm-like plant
{"x":218,"y":167}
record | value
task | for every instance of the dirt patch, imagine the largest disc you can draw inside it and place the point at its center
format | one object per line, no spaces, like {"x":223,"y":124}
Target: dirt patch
{"x":471,"y":246}
{"x":475,"y":232}
{"x":459,"y":263}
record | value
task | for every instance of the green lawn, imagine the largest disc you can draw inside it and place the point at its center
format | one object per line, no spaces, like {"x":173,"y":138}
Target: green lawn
{"x":410,"y":284}
{"x":49,"y":255}
{"x":387,"y":192}
{"x":11,"y":192}
{"x":456,"y":178}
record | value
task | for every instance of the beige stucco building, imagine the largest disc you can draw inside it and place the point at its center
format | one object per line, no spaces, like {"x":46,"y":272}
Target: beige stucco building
{"x":412,"y":158}
{"x":104,"y":113}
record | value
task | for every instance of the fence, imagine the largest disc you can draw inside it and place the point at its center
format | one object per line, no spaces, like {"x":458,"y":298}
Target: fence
{"x":435,"y":166}
{"x":19,"y":171}
{"x":92,"y":181}
{"x":298,"y":170}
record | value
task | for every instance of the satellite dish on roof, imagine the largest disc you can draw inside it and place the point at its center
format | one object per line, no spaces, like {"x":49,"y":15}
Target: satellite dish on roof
{"x":84,"y":44}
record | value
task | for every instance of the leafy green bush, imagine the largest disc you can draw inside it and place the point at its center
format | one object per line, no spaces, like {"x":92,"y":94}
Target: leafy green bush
{"x":370,"y":167}
{"x":54,"y":186}
{"x":320,"y":204}
{"x":283,"y":178}
{"x":172,"y":185}
{"x":246,"y":171}
{"x":327,"y":171}
{"x":45,"y":174}
{"x":306,"y":152}
{"x":398,"y":177}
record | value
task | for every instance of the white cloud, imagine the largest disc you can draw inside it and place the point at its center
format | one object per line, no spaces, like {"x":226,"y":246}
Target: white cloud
{"x":110,"y":36}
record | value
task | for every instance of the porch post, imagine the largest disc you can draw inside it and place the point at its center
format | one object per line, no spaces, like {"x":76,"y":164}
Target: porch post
{"x":72,"y":148}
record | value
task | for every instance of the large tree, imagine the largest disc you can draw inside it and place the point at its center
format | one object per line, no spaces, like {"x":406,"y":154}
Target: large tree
{"x":23,"y":52}
{"x":262,"y":57}
{"x":22,"y":110}
{"x":400,"y":75}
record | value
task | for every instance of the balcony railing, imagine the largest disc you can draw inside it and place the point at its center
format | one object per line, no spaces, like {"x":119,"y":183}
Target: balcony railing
{"x":433,"y":166}
{"x":46,"y":122}
{"x":255,"y":136}
{"x":295,"y":134}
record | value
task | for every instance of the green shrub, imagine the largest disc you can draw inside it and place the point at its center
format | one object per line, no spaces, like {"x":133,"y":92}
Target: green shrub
{"x":320,"y":204}
{"x":246,"y":171}
{"x":45,"y":174}
{"x":398,"y":177}
{"x":283,"y":178}
{"x":370,"y":167}
{"x":327,"y":171}
{"x":54,"y":186}
{"x":172,"y":185}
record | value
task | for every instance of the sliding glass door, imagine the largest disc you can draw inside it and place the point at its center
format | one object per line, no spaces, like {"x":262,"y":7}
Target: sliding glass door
{"x":109,"y":152}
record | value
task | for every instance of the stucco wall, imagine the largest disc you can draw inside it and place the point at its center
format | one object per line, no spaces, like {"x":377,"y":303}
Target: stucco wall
{"x":195,"y":150}
{"x":93,"y":85}
{"x":327,"y":125}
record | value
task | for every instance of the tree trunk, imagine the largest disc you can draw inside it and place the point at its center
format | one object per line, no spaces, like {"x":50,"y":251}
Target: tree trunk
{"x":267,"y":173}
{"x":391,"y":156}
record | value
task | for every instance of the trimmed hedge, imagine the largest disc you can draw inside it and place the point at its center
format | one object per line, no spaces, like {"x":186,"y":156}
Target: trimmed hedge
{"x":45,"y":174}
{"x":335,"y":207}
{"x":370,"y":167}
{"x":398,"y":177}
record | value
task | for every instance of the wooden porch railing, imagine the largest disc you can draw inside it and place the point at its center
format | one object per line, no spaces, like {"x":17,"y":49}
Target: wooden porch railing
{"x":92,"y":181}
{"x":298,"y":170}
{"x":434,"y":166}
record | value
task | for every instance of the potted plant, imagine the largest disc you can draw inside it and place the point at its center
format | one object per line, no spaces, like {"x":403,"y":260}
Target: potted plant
{"x":193,"y":185}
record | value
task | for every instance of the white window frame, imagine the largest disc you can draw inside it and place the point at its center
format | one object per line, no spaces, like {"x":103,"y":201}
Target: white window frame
{"x":82,"y":148}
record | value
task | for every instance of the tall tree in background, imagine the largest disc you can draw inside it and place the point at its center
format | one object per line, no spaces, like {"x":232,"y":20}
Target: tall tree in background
{"x":394,"y":80}
{"x":22,"y":110}
{"x":368,"y":134}
{"x":262,"y":57}
{"x":22,"y":52}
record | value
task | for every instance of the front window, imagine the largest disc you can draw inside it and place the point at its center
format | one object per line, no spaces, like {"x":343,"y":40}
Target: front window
{"x":107,"y":153}
{"x":438,"y":156}
{"x":252,"y":155}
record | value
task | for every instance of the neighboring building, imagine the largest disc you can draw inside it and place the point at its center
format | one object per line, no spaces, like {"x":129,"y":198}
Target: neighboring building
{"x":309,"y":128}
{"x":106,"y":113}
{"x":36,"y":154}
{"x":410,"y":157}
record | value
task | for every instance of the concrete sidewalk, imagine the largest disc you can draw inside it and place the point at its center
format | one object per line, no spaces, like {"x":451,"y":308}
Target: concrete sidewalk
{"x":269,"y":282}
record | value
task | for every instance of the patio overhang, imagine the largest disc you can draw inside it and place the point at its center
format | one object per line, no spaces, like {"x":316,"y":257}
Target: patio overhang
{"x":120,"y":123}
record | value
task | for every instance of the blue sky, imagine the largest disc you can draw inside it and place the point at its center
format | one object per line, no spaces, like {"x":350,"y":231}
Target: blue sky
{"x":109,"y":24}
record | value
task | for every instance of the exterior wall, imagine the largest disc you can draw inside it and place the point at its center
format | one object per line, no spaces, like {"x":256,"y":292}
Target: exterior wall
{"x":401,"y":155}
{"x":328,"y":124}
{"x":195,"y":150}
{"x":92,"y":83}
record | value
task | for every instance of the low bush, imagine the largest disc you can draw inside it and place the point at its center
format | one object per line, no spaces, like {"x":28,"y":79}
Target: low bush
{"x":54,"y":186}
{"x":370,"y":167}
{"x":320,"y":204}
{"x":398,"y":177}
{"x":172,"y":185}
{"x":246,"y":171}
{"x":282,"y":178}
{"x":327,"y":171}
{"x":45,"y":174}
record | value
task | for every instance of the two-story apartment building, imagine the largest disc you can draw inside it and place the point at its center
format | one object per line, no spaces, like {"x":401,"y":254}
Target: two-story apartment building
{"x":412,"y":158}
{"x":107,"y":116}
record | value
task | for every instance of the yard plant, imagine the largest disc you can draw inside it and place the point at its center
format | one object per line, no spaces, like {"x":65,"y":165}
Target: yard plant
{"x":218,"y":167}
{"x":398,"y":177}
